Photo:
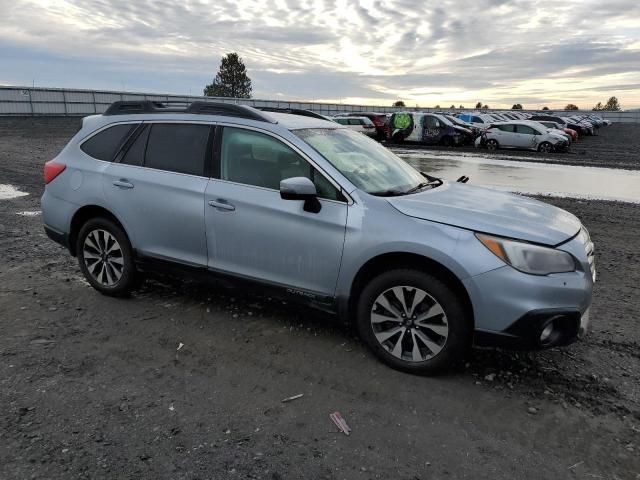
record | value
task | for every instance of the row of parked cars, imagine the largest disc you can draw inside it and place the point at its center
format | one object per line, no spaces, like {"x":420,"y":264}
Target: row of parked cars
{"x":544,"y":132}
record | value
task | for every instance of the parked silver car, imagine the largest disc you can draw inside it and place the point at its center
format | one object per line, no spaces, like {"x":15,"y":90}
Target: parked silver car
{"x":358,"y":124}
{"x":313,"y":211}
{"x":523,"y":134}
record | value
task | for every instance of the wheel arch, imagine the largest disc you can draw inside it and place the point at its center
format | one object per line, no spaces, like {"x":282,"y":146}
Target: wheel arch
{"x":82,"y":215}
{"x":394,"y":260}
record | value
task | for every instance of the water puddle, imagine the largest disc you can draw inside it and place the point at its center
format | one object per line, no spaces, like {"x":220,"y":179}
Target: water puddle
{"x":7,"y":192}
{"x":529,"y":177}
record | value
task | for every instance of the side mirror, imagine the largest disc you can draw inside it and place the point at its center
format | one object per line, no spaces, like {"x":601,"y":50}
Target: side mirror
{"x":301,"y":188}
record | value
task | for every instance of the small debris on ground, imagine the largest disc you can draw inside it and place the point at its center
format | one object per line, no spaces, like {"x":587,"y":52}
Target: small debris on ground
{"x":295,"y":397}
{"x":340,"y":422}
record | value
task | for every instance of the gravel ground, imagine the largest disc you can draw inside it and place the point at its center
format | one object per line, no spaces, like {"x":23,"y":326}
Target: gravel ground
{"x":96,"y":387}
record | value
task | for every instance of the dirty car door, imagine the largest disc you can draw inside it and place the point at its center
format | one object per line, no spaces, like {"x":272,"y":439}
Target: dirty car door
{"x":156,"y":188}
{"x":253,"y":233}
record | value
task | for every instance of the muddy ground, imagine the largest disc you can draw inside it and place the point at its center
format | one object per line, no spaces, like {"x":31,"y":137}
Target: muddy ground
{"x":95,"y":387}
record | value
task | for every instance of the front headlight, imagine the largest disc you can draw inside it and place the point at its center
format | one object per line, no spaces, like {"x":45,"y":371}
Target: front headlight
{"x":528,"y":258}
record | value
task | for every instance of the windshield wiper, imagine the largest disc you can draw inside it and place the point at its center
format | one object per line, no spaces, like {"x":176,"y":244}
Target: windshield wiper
{"x":421,"y":185}
{"x":388,"y":193}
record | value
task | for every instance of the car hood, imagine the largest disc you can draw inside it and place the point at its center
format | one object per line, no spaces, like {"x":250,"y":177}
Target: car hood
{"x":461,"y":129}
{"x":490,"y":211}
{"x":560,"y":136}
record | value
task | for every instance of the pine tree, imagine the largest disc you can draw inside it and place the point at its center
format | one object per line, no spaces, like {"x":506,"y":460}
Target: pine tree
{"x":231,"y":80}
{"x":612,"y":105}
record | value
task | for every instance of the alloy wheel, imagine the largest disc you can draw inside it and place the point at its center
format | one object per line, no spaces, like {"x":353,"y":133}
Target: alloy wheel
{"x":545,"y":148}
{"x":409,"y":323}
{"x":103,"y":257}
{"x":492,"y":145}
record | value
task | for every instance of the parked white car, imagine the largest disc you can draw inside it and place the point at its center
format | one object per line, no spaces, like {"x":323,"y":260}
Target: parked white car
{"x":358,"y":124}
{"x":521,"y":134}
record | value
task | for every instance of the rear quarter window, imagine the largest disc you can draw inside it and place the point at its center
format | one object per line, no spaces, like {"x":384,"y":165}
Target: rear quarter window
{"x":105,"y":144}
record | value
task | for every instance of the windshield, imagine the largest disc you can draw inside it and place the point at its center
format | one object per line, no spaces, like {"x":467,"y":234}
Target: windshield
{"x":445,"y":120}
{"x":455,"y":120}
{"x":367,"y":164}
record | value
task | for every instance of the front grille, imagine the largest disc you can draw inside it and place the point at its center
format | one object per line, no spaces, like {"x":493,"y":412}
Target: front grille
{"x":588,"y":248}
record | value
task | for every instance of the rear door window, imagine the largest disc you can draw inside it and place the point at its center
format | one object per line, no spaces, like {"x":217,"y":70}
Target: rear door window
{"x":105,"y":144}
{"x":526,"y":130}
{"x":431,"y":122}
{"x":179,"y":148}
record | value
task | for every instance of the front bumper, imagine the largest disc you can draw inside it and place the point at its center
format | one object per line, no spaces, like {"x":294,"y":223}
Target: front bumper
{"x":562,"y":146}
{"x":538,"y":329}
{"x":512,"y":309}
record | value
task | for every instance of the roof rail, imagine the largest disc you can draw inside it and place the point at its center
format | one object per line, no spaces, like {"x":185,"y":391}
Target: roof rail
{"x":127,"y":107}
{"x":294,"y":111}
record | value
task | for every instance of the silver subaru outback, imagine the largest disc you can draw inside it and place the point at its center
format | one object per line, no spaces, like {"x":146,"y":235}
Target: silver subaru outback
{"x":295,"y":204}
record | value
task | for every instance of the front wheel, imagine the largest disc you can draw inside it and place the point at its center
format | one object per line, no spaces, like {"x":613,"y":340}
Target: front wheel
{"x":413,"y":322}
{"x":492,"y":144}
{"x":545,"y":147}
{"x":105,"y":257}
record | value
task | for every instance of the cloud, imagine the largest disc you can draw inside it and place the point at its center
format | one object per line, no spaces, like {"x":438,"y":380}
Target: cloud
{"x":500,"y":52}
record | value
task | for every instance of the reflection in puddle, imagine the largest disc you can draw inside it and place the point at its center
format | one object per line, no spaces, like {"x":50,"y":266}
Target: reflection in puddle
{"x":7,"y":192}
{"x":532,"y":178}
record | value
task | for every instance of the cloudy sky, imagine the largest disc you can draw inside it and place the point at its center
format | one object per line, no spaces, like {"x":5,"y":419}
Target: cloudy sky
{"x":444,"y":52}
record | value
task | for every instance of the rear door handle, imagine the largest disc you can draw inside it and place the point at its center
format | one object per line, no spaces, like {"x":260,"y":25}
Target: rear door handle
{"x":123,"y":183}
{"x":222,"y":204}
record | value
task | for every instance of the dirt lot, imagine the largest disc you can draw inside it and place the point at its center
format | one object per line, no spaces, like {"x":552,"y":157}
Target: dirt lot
{"x":613,"y":147}
{"x":95,"y":387}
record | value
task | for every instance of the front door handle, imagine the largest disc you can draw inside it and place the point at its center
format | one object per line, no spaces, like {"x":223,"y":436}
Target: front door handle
{"x":123,"y":183}
{"x":222,"y":204}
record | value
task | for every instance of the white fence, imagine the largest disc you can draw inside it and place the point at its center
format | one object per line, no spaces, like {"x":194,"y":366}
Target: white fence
{"x":28,"y":101}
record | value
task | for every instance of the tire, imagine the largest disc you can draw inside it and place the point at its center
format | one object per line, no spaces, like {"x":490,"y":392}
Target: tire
{"x":398,"y":138}
{"x":100,"y":240}
{"x":447,"y":141}
{"x":492,"y":144}
{"x":438,"y":327}
{"x":545,"y":147}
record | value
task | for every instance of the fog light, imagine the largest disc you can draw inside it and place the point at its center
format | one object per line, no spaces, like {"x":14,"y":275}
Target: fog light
{"x":546,"y":333}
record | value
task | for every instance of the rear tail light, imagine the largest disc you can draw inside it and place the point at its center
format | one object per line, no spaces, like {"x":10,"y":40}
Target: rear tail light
{"x":52,"y":170}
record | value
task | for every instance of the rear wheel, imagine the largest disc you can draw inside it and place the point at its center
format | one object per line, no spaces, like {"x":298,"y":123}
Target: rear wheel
{"x":413,"y":322}
{"x":545,"y":147}
{"x":492,"y":144}
{"x":105,"y":257}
